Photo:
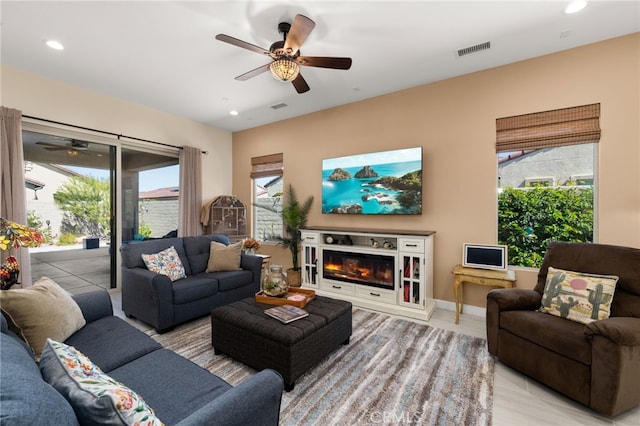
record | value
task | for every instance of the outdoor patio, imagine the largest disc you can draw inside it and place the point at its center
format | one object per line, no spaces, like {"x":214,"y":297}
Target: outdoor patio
{"x":75,"y":269}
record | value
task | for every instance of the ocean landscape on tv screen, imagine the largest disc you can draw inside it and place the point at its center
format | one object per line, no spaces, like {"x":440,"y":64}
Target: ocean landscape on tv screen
{"x":388,"y":182}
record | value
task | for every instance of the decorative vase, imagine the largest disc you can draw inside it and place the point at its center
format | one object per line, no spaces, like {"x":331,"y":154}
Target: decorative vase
{"x":275,"y":282}
{"x":8,"y":282}
{"x":250,"y":251}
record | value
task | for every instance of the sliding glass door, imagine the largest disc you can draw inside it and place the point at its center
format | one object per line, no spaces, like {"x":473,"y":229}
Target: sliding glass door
{"x":149,"y":195}
{"x":70,"y":193}
{"x":89,"y":195}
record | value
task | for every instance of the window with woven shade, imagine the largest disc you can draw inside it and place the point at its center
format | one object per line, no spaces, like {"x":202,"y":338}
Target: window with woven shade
{"x":267,"y":165}
{"x":560,"y":127}
{"x":546,"y":179}
{"x":267,"y":177}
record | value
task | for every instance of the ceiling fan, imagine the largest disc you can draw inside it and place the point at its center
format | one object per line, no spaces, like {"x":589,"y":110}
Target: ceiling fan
{"x":73,"y":147}
{"x":286,"y":54}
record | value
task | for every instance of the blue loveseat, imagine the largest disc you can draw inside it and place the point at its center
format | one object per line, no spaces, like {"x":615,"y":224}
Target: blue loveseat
{"x":156,"y":300}
{"x":179,"y":391}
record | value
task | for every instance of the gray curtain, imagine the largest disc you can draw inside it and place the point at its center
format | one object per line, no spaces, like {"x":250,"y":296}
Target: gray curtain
{"x":13,"y":204}
{"x":190,"y":192}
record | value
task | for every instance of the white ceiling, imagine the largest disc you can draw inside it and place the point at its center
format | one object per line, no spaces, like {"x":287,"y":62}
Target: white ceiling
{"x":162,"y":54}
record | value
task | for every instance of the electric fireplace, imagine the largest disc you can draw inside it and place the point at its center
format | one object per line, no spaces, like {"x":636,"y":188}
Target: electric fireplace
{"x":359,"y":268}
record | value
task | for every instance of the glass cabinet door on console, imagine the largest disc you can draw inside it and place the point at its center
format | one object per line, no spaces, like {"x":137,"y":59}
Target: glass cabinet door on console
{"x":412,"y":264}
{"x":310,"y":258}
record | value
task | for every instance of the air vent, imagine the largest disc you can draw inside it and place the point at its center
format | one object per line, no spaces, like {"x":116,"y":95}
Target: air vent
{"x":278,"y":106}
{"x":474,"y":49}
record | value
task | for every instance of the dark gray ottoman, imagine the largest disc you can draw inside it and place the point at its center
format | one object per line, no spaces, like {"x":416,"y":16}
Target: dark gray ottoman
{"x":244,"y":332}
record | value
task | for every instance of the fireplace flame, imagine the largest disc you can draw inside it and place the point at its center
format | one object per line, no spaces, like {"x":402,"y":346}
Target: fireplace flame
{"x":353,"y":270}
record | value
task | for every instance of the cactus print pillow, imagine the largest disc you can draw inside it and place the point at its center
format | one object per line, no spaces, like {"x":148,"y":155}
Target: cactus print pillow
{"x":167,"y":262}
{"x":578,"y":297}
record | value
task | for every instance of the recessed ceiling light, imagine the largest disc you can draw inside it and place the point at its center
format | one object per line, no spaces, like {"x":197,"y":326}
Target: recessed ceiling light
{"x":54,"y":44}
{"x":575,"y":6}
{"x":233,"y":112}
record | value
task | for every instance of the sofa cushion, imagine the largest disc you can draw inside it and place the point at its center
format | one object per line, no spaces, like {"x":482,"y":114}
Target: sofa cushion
{"x":167,"y":262}
{"x":174,"y":392}
{"x":224,"y":258}
{"x":230,"y":280}
{"x":98,"y":339}
{"x":26,"y":398}
{"x":578,"y":296}
{"x":95,"y":397}
{"x":132,"y":253}
{"x":42,"y":311}
{"x":556,"y":334}
{"x":195,"y":287}
{"x":197,"y":250}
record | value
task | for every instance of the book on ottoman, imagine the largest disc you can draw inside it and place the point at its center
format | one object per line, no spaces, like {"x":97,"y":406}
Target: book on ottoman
{"x":286,"y":313}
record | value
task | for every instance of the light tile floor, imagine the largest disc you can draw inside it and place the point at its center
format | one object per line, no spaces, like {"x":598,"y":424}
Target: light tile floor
{"x":519,"y":400}
{"x":75,"y":269}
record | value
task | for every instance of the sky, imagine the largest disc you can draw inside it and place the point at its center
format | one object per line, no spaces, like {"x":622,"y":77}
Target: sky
{"x":370,"y":159}
{"x":152,"y":179}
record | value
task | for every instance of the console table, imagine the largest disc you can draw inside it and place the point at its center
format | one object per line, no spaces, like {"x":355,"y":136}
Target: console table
{"x":489,"y":277}
{"x":407,"y":271}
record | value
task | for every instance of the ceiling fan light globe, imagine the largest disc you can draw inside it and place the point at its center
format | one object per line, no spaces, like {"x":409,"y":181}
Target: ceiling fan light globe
{"x":284,"y":69}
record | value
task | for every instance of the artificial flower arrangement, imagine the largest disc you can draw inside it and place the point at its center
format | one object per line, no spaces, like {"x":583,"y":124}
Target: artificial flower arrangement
{"x":9,"y":272}
{"x":250,"y":244}
{"x":14,"y":235}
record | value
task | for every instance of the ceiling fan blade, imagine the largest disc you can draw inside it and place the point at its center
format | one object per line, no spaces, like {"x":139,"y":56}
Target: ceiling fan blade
{"x":300,"y":30}
{"x":253,"y":73}
{"x":300,"y":84}
{"x":324,"y":62}
{"x":243,"y":44}
{"x":59,"y":148}
{"x":52,"y":146}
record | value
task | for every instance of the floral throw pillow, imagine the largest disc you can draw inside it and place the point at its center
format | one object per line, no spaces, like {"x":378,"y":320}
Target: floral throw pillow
{"x":577,"y":296}
{"x":167,"y":262}
{"x":95,"y":397}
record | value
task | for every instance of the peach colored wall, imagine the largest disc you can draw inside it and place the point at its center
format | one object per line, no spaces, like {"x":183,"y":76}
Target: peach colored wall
{"x":454,"y":121}
{"x":54,"y":100}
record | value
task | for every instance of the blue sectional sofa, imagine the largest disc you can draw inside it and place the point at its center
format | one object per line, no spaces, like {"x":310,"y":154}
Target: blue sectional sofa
{"x":179,"y":391}
{"x":156,"y":300}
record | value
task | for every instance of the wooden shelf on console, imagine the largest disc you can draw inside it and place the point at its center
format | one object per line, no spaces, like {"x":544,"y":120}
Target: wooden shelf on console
{"x":341,"y":230}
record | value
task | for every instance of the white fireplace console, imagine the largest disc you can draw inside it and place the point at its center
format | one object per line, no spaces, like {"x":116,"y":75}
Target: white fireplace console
{"x":389,"y":271}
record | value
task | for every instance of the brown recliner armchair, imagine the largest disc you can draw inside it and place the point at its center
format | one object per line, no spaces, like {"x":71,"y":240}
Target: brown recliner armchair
{"x":597,"y":364}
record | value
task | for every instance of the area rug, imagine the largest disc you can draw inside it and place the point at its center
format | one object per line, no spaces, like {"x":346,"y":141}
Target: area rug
{"x":393,"y":372}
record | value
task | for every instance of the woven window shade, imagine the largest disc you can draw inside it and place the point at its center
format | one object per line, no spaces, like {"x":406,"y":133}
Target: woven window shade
{"x":560,"y":127}
{"x":267,"y":165}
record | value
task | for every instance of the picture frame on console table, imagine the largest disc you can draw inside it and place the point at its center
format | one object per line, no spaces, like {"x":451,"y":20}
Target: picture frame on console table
{"x":485,"y":256}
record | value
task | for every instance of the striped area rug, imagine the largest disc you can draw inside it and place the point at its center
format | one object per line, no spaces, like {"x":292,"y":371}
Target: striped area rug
{"x":393,"y":372}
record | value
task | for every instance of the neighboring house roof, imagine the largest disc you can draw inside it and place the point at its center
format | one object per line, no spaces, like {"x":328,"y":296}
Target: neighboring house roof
{"x":513,"y":156}
{"x":261,"y":191}
{"x":170,"y":192}
{"x":273,"y":181}
{"x":60,"y":169}
{"x":33,"y":184}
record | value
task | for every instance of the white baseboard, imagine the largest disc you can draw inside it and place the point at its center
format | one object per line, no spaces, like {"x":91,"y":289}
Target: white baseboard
{"x":467,"y":309}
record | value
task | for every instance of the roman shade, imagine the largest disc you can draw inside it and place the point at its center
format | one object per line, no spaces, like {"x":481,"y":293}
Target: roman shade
{"x":267,"y":165}
{"x":560,"y":127}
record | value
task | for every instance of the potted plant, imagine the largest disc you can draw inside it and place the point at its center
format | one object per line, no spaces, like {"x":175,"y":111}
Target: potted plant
{"x":294,"y":218}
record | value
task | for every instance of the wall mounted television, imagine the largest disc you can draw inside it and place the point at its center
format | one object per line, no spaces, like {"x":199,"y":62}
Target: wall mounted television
{"x":377,"y":183}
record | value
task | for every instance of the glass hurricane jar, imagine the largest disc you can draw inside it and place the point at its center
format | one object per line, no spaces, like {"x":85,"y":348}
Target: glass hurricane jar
{"x":275,"y":282}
